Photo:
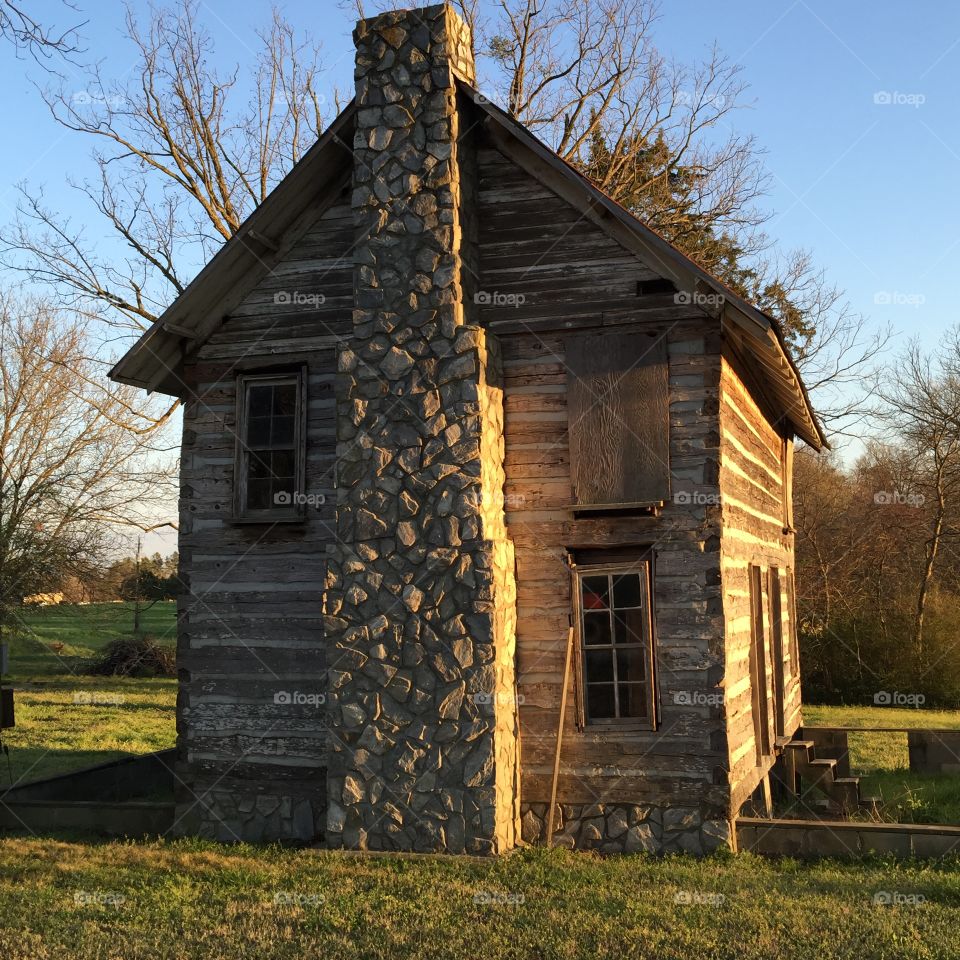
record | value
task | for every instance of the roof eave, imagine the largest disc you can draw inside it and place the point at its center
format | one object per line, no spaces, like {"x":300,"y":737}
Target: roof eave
{"x":686,"y":273}
{"x":152,"y":362}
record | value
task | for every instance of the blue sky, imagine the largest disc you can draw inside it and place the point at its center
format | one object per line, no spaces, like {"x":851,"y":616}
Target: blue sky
{"x":871,"y":188}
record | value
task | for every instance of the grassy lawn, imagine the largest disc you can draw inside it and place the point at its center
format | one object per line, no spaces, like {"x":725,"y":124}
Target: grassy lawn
{"x":883,"y":761}
{"x":186,"y":899}
{"x":66,"y":719}
{"x":192,"y":899}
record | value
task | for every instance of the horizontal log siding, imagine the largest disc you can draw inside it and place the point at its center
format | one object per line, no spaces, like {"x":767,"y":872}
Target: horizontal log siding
{"x":250,"y":624}
{"x":751,"y":486}
{"x":534,"y":246}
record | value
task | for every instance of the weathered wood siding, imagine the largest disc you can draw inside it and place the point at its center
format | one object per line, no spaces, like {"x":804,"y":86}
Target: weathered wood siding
{"x":563,"y":273}
{"x":250,"y":625}
{"x":752,"y":488}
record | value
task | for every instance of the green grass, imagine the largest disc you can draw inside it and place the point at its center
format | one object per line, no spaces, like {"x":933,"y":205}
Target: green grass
{"x":882,"y":760}
{"x":83,"y":631}
{"x":190,"y":899}
{"x":821,"y":716}
{"x":67,"y":719}
{"x":193,"y":899}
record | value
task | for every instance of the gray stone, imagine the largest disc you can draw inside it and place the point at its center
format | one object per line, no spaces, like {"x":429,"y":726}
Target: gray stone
{"x":640,"y":839}
{"x":680,"y":818}
{"x":617,"y":823}
{"x":396,"y":363}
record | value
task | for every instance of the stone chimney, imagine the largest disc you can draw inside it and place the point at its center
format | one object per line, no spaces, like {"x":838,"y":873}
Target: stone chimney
{"x":420,"y":608}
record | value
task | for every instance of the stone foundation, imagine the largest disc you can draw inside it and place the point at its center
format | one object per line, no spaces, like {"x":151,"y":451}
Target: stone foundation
{"x":233,"y":817}
{"x":626,"y":828}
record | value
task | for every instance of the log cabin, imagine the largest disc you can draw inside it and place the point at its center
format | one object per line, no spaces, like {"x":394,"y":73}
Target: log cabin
{"x":485,"y":504}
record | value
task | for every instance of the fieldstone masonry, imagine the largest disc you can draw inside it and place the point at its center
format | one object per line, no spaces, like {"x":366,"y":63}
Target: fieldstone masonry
{"x":626,"y":828}
{"x":420,"y":601}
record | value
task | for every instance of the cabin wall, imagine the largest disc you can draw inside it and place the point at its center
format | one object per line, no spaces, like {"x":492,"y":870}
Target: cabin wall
{"x":252,"y":730}
{"x":544,"y":267}
{"x":753,"y":490}
{"x":251,"y":635}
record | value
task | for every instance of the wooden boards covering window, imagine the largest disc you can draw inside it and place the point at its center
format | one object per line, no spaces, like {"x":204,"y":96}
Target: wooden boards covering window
{"x":619,"y":419}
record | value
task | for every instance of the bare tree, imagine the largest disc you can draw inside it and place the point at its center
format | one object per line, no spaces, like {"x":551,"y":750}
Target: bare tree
{"x":27,"y":34}
{"x":921,"y":394}
{"x":78,"y":459}
{"x":835,"y":347}
{"x":182,"y":161}
{"x":183,"y":158}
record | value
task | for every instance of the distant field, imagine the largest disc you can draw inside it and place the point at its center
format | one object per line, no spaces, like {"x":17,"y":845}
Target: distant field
{"x":882,"y":760}
{"x":83,"y":631}
{"x":66,"y":719}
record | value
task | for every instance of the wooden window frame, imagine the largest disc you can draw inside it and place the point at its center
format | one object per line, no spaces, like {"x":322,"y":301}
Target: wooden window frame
{"x":760,"y":705}
{"x":294,"y":513}
{"x":786,"y":486}
{"x":794,"y":639}
{"x":650,"y":723}
{"x":776,"y":650}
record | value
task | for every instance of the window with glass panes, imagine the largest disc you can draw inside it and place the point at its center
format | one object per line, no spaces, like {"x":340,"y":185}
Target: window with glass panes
{"x":616,"y":644}
{"x":269,"y":460}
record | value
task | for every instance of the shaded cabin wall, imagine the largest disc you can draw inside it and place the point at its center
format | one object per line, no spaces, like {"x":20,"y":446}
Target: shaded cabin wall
{"x":250,"y":625}
{"x":562,"y":271}
{"x":752,"y":487}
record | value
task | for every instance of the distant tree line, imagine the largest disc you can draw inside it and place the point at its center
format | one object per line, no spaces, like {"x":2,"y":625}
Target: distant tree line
{"x":155,"y":580}
{"x":878,"y":545}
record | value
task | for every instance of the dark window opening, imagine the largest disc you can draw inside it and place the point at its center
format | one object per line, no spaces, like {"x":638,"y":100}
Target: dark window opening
{"x":648,"y":288}
{"x":269,"y":467}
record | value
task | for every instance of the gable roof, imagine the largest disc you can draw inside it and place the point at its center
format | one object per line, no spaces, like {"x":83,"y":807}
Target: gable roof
{"x":253,"y":251}
{"x":752,"y":330}
{"x":313,"y":185}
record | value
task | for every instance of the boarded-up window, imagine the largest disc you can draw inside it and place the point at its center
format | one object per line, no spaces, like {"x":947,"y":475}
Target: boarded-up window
{"x":619,"y":419}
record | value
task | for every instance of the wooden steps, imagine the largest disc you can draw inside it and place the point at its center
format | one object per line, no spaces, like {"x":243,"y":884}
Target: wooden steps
{"x":842,"y":793}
